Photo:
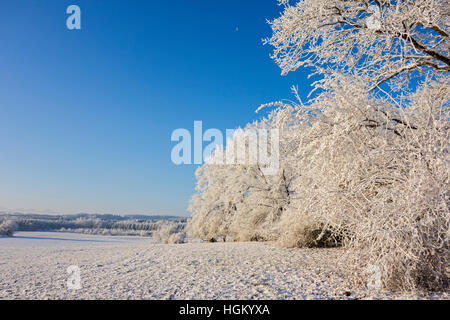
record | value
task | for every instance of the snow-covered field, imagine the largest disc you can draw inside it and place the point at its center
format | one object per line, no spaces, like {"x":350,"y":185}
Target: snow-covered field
{"x":63,"y":239}
{"x":33,"y":265}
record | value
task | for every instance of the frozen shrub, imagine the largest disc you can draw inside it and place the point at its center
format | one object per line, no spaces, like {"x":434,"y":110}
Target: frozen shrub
{"x":176,"y":238}
{"x":8,"y":227}
{"x":170,"y":233}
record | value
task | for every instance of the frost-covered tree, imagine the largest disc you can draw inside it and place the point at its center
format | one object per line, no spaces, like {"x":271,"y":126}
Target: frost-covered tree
{"x":375,"y":185}
{"x":239,"y":200}
{"x":219,"y":190}
{"x":377,"y":40}
{"x":356,"y":169}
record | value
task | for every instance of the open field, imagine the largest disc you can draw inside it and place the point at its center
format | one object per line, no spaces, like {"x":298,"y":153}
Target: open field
{"x":33,"y":265}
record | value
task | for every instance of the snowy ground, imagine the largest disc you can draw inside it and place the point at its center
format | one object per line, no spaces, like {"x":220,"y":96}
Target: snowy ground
{"x":34,"y":266}
{"x":63,"y":239}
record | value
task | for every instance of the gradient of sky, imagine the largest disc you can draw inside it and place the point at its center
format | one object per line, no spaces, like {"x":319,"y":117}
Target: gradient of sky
{"x":86,"y":115}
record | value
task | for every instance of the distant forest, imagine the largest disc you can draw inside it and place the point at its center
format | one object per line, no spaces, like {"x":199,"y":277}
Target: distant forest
{"x":104,"y":224}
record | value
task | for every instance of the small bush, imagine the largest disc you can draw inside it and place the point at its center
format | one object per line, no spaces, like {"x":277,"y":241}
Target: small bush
{"x":8,"y":227}
{"x":169,"y":233}
{"x":176,"y":238}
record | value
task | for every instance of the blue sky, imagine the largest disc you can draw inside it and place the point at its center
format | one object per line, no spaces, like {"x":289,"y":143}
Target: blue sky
{"x":86,"y":115}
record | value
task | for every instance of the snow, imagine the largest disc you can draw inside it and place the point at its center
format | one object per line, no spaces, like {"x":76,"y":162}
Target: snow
{"x":63,"y":239}
{"x":33,"y":265}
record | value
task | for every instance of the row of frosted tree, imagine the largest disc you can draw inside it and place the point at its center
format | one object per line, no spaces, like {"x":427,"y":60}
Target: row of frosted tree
{"x":91,"y":224}
{"x":364,"y":162}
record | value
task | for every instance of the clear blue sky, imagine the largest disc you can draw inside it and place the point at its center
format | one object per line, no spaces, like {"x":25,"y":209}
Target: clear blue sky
{"x":86,"y":115}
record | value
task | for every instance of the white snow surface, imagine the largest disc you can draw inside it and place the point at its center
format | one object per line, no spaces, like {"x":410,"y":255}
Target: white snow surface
{"x":33,"y":265}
